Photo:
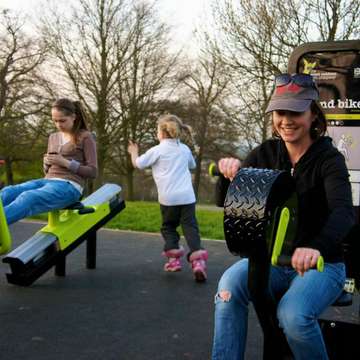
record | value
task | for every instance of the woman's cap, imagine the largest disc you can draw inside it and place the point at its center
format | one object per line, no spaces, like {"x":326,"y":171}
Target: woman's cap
{"x":293,"y":93}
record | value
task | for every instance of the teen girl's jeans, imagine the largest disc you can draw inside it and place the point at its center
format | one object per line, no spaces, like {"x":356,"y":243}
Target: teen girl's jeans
{"x":35,"y":197}
{"x":302,"y":300}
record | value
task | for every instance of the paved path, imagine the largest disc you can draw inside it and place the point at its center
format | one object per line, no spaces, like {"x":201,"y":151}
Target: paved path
{"x":127,"y":308}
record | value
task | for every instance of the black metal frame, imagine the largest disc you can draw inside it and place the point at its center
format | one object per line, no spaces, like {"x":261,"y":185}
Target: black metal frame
{"x":251,"y":215}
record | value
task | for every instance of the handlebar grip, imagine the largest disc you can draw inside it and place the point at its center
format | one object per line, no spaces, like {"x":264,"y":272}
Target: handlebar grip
{"x":213,"y":170}
{"x":285,"y":260}
{"x":86,"y":210}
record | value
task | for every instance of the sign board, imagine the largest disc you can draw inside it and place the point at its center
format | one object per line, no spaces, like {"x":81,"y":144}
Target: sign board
{"x":335,"y":67}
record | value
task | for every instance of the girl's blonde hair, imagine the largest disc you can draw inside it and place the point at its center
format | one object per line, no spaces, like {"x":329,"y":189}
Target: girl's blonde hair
{"x":173,"y":128}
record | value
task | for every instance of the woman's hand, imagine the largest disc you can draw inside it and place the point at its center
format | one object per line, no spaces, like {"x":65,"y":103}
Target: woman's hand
{"x":229,"y":167}
{"x":304,"y":259}
{"x":133,"y":148}
{"x":56,"y":159}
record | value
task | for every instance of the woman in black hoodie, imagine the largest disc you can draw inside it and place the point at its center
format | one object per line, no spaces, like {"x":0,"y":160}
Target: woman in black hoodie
{"x":325,"y":217}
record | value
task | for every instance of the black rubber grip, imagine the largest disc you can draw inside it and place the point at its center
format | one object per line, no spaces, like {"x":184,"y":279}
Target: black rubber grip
{"x":86,"y":210}
{"x":284,"y":260}
{"x":75,"y":206}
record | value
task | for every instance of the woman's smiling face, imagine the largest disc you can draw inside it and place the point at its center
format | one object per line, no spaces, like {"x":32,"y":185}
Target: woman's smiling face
{"x":293,"y":127}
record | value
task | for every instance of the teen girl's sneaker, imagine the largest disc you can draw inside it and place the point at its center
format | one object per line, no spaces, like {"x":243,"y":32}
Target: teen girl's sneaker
{"x":174,"y":263}
{"x":198,"y":263}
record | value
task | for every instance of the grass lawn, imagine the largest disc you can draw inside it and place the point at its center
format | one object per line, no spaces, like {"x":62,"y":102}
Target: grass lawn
{"x":145,"y":216}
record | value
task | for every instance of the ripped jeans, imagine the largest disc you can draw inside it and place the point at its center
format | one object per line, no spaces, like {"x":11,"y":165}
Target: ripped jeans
{"x":303,"y":299}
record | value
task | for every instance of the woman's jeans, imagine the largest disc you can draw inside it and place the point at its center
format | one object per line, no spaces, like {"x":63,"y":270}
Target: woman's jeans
{"x":35,"y":197}
{"x":302,"y":300}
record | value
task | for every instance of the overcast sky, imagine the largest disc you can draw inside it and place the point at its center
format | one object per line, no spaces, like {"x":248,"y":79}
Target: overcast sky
{"x":182,"y":15}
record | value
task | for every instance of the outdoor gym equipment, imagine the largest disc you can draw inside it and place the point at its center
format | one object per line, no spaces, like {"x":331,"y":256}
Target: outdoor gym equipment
{"x":260,"y":223}
{"x":335,"y":67}
{"x":66,"y":229}
{"x":257,"y":201}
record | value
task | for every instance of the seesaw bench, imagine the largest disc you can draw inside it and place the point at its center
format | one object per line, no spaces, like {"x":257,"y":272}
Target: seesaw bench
{"x":66,"y":230}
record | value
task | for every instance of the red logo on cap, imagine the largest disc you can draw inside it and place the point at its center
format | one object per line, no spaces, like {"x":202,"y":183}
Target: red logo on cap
{"x":293,"y":88}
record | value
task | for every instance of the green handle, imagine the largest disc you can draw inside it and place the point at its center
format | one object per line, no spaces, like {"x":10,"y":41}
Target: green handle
{"x":320,"y":264}
{"x":284,"y":260}
{"x":5,"y":238}
{"x":280,"y":235}
{"x":213,"y":170}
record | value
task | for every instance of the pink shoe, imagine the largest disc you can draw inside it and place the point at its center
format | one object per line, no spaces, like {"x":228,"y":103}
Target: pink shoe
{"x":198,"y":263}
{"x":174,"y":262}
{"x":173,"y":265}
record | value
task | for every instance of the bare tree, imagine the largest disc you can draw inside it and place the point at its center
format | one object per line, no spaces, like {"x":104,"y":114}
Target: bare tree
{"x":246,"y":43}
{"x":91,"y":45}
{"x":256,"y":38}
{"x":335,"y":19}
{"x":145,"y":78}
{"x":114,"y":57}
{"x":207,"y":84}
{"x":21,"y":91}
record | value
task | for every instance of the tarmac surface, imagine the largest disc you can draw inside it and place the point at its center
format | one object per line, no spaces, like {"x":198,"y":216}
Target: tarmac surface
{"x":127,"y":308}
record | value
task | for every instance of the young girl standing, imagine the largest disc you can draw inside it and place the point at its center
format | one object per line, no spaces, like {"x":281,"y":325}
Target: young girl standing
{"x":70,"y":159}
{"x":170,"y":162}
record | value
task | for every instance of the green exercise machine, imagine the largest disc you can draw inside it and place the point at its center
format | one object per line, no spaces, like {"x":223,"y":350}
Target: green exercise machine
{"x":66,"y":230}
{"x":260,"y":214}
{"x":260,"y":223}
{"x":335,"y":67}
{"x":260,"y":209}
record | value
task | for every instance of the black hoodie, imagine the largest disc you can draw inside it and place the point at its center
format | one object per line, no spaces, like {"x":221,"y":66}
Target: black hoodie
{"x":323,"y":188}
